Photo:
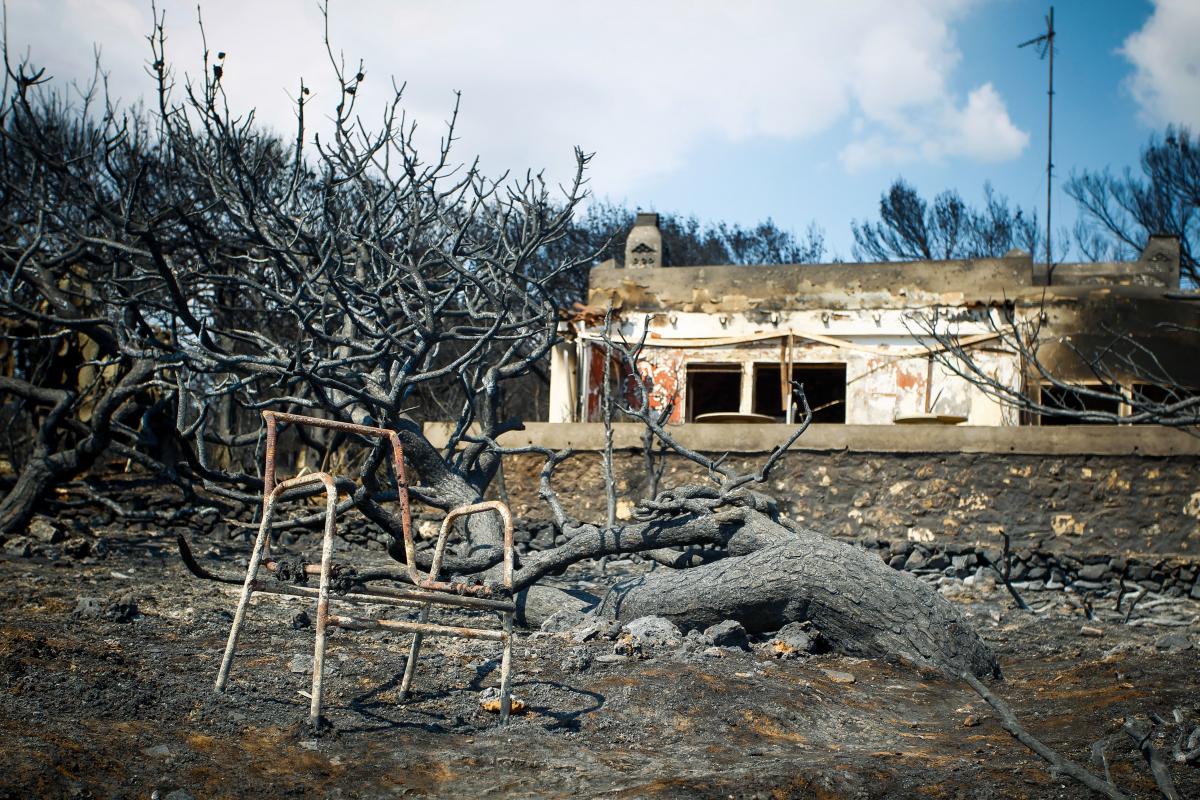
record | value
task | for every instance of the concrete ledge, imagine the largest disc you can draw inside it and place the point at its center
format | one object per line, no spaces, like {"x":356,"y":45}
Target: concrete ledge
{"x":1143,"y":440}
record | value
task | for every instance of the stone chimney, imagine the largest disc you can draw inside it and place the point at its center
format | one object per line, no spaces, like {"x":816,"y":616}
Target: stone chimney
{"x":644,"y":246}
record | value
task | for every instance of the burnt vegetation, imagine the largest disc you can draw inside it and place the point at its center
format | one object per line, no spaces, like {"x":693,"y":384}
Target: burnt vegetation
{"x":168,"y":274}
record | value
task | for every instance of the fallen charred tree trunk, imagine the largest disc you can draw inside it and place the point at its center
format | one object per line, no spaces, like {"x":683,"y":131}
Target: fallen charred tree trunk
{"x":766,"y":576}
{"x":861,"y":606}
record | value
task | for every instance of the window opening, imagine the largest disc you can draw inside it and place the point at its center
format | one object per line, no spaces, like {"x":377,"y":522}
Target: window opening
{"x":713,"y":388}
{"x":824,"y":386}
{"x":1075,"y":400}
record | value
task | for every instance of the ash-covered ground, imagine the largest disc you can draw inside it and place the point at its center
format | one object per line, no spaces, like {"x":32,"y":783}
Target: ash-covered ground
{"x":108,"y":653}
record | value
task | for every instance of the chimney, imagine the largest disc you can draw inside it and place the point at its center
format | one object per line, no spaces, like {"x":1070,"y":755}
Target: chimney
{"x":644,"y":246}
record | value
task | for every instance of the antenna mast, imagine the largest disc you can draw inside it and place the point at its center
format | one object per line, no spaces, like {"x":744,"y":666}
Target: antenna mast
{"x":1045,"y":47}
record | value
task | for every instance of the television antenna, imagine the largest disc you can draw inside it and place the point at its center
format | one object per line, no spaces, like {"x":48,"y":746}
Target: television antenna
{"x":1045,"y":49}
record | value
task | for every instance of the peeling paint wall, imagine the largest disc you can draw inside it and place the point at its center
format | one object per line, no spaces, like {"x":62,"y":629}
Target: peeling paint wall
{"x":887,"y":374}
{"x":862,"y":316}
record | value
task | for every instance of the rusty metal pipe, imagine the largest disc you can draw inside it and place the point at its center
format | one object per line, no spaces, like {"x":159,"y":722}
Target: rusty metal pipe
{"x":272,"y":417}
{"x":429,"y":629}
{"x":445,"y":599}
{"x":506,"y":670}
{"x":410,"y":668}
{"x":314,"y":712}
{"x":354,"y":597}
{"x":256,"y":556}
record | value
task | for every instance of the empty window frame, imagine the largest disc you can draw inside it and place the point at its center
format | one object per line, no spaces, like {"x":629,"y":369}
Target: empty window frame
{"x":824,"y":387}
{"x":1076,"y":403}
{"x":713,"y":388}
{"x":1161,"y":402}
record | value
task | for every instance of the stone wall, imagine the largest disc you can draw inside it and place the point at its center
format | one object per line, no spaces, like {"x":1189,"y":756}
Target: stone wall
{"x":1085,"y":521}
{"x":1082,"y":505}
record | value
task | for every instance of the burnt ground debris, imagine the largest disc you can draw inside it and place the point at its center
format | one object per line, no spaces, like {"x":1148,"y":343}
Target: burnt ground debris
{"x":107,"y":661}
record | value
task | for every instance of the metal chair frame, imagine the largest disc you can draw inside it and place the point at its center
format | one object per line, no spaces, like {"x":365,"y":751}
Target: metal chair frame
{"x":425,"y":592}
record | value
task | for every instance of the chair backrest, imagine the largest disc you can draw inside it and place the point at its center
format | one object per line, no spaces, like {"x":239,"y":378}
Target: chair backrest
{"x":271,"y":420}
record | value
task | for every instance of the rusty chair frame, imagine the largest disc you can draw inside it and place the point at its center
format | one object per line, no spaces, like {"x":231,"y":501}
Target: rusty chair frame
{"x":424,"y":593}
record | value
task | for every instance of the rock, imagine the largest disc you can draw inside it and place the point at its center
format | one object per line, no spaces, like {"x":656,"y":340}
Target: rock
{"x":1088,"y":630}
{"x":577,"y":660}
{"x":88,"y":608}
{"x":628,"y":647}
{"x":1195,"y":594}
{"x":178,"y":794}
{"x":301,"y":663}
{"x":609,"y":629}
{"x":43,"y":530}
{"x":963,"y":563}
{"x":970,"y":721}
{"x":1093,"y":572}
{"x":300,"y":621}
{"x":653,"y":632}
{"x":838,"y":676}
{"x":1089,"y":586}
{"x":1139,"y":572}
{"x":916,"y":560}
{"x":158,"y":751}
{"x":584,"y":632}
{"x":123,"y":609}
{"x":985,"y":578}
{"x":938,"y":561}
{"x":489,"y":701}
{"x":728,"y":633}
{"x":1173,"y":642}
{"x":694,"y":642}
{"x":793,"y":640}
{"x":563,"y":620}
{"x":100,"y":547}
{"x":18,"y":547}
{"x":77,"y":547}
{"x":713,"y":652}
{"x":611,"y":658}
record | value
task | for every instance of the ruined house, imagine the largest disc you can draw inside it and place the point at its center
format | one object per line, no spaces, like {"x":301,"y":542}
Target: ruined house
{"x":723,"y":342}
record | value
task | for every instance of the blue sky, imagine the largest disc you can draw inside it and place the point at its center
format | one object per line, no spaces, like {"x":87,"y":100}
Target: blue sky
{"x":800,"y":111}
{"x":1098,"y":123}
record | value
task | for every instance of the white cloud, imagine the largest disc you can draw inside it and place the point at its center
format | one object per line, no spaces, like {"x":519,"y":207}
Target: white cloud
{"x":981,"y":131}
{"x":642,"y":84}
{"x":1165,"y":54}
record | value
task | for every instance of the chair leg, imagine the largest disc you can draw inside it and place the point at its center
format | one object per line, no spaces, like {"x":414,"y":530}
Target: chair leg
{"x":314,"y":710}
{"x":247,"y":589}
{"x":410,"y":668}
{"x":506,"y":669}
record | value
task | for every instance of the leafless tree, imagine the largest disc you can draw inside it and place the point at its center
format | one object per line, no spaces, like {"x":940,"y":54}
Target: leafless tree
{"x":1122,"y":211}
{"x":912,"y":229}
{"x":71,"y":174}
